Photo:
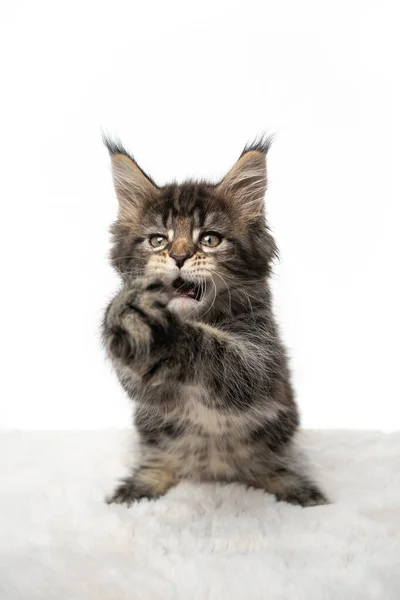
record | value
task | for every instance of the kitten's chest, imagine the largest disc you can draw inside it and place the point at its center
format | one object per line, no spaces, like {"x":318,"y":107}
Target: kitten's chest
{"x":196,"y":414}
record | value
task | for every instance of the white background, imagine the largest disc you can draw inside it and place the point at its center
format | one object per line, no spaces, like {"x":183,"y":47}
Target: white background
{"x":185,"y":85}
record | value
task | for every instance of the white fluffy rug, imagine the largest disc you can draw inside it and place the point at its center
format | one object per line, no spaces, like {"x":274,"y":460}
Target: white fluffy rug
{"x":60,"y":541}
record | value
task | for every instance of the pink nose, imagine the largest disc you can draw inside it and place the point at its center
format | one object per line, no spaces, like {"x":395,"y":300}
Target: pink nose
{"x":179,"y":258}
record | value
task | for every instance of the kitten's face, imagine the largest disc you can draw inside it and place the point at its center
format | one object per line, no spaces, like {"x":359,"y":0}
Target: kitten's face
{"x":209,"y":241}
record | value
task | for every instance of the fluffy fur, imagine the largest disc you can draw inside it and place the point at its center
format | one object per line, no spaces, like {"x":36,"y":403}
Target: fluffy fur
{"x":192,"y":336}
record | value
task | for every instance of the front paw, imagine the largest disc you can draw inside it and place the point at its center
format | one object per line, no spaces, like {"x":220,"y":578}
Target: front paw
{"x":134,"y":318}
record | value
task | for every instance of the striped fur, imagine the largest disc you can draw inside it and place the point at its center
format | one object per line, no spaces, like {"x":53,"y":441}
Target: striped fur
{"x":208,"y":375}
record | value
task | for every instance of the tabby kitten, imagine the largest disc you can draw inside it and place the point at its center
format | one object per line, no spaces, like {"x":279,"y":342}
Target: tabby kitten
{"x":192,"y":336}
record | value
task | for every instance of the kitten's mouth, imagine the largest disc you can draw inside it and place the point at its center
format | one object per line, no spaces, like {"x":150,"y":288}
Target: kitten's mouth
{"x":186,"y":289}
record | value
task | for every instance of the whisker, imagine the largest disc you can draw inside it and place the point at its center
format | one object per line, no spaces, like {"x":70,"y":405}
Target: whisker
{"x":213,"y":302}
{"x":227,"y":288}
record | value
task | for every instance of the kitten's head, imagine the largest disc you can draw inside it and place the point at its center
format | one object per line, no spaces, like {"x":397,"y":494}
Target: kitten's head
{"x":210,"y":240}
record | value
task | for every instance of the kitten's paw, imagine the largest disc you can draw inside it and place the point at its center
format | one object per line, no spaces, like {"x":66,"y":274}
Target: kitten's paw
{"x":134,"y":317}
{"x":128,"y":492}
{"x":303,"y":495}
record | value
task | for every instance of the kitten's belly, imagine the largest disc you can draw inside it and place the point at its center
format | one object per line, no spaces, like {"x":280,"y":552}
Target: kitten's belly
{"x":209,"y":446}
{"x":204,"y":458}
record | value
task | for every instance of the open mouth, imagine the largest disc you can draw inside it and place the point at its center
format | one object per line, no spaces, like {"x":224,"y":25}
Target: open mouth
{"x":186,"y":289}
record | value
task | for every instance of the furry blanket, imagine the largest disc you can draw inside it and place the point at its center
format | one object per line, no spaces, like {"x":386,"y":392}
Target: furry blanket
{"x":59,"y":540}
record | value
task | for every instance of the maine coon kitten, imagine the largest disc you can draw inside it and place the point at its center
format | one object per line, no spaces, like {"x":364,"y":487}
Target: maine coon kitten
{"x":192,"y":336}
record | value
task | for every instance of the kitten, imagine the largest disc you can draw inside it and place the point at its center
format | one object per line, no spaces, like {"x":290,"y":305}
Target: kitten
{"x":192,"y":336}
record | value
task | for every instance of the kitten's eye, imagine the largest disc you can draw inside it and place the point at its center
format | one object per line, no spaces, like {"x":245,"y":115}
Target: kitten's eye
{"x":159,"y":241}
{"x":210,"y":239}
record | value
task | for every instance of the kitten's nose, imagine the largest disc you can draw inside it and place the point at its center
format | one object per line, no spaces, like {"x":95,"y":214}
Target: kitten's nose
{"x":179,"y":258}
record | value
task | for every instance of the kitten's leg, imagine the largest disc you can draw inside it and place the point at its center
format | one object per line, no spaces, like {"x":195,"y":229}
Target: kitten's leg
{"x":152,"y":479}
{"x":292,"y":487}
{"x":141,"y":333}
{"x":282,"y":472}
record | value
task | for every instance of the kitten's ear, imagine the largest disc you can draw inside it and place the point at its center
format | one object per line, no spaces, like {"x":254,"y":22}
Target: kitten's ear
{"x":246,"y":183}
{"x":132,"y":186}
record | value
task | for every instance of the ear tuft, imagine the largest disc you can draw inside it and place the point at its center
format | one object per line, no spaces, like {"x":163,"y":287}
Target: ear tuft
{"x":260,"y":144}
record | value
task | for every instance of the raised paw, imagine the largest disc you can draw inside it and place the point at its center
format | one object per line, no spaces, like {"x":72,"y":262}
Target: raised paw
{"x":134,"y":317}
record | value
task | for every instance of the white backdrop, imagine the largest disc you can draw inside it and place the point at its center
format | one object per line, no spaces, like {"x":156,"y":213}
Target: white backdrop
{"x":185,"y":86}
